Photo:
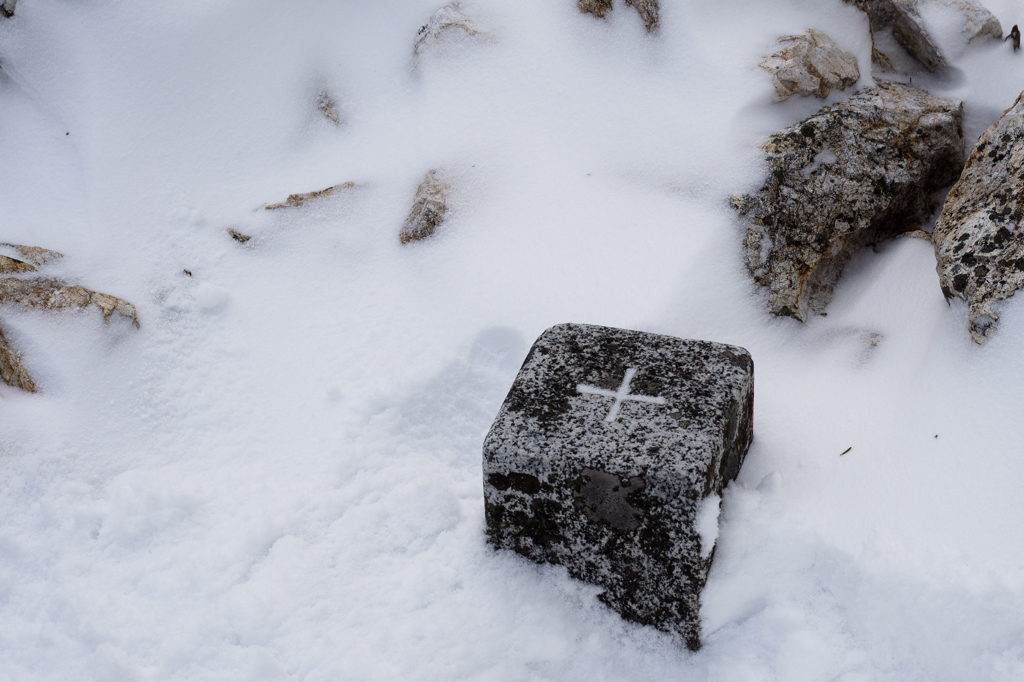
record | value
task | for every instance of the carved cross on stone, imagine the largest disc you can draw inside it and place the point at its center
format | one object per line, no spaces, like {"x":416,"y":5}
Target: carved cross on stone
{"x":620,"y":395}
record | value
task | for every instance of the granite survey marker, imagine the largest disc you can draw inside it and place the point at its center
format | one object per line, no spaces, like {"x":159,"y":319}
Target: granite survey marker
{"x":602,"y":454}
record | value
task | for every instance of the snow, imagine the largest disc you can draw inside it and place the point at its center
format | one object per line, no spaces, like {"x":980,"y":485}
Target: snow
{"x":278,"y":475}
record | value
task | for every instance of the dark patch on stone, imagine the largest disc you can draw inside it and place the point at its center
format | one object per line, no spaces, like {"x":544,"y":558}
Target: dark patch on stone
{"x":602,"y":496}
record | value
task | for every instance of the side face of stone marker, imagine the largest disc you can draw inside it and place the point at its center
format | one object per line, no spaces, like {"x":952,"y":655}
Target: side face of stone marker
{"x":602,"y":453}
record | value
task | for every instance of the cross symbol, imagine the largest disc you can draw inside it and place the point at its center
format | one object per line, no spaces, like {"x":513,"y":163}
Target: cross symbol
{"x":620,"y":395}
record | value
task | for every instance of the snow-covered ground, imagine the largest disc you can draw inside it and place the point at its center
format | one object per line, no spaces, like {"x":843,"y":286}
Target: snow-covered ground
{"x":278,"y":475}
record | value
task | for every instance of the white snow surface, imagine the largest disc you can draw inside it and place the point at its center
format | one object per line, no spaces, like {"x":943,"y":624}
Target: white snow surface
{"x":278,"y":476}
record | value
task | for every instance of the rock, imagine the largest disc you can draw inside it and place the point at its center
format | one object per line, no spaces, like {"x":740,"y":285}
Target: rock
{"x":648,"y":9}
{"x":34,"y":254}
{"x":599,"y":8}
{"x":10,"y":266}
{"x":11,"y":370}
{"x":853,"y":174}
{"x":810,"y":64}
{"x":7,"y":8}
{"x":1015,"y":37}
{"x":446,"y":21}
{"x":979,"y":236}
{"x":607,"y":449}
{"x":428,"y":209}
{"x":296,"y":200}
{"x":649,"y":12}
{"x":911,"y":31}
{"x":47,"y":293}
{"x":52,"y":294}
{"x":238,"y":236}
{"x":328,"y":107}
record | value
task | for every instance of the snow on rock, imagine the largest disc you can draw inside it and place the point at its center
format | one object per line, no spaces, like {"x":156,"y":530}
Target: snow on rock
{"x":428,"y":209}
{"x":916,"y":22}
{"x":853,"y":174}
{"x":7,"y":8}
{"x":602,"y":453}
{"x":649,"y":10}
{"x":810,"y":64}
{"x":443,"y":24}
{"x":46,"y":293}
{"x":979,"y":236}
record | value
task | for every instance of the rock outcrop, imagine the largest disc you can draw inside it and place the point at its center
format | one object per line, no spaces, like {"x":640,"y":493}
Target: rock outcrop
{"x":810,"y":64}
{"x":428,"y":209}
{"x":853,"y":174}
{"x":448,"y":21}
{"x":910,"y":30}
{"x":296,"y":200}
{"x":7,"y":8}
{"x":979,"y":236}
{"x":607,"y":456}
{"x":649,"y":10}
{"x":48,"y":294}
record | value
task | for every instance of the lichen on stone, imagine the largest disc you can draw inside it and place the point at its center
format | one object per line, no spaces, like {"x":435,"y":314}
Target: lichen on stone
{"x":979,"y":236}
{"x":853,"y":174}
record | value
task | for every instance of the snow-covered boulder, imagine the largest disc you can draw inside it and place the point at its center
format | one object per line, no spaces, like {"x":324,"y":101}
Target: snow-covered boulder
{"x":810,"y":64}
{"x":649,"y":10}
{"x":608,"y":456}
{"x":853,"y":174}
{"x":979,"y":237}
{"x":7,"y":8}
{"x":913,"y":23}
{"x":428,"y":209}
{"x":48,"y":294}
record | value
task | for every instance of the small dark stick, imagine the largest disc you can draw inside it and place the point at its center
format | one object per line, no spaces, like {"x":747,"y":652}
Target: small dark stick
{"x":1015,"y":34}
{"x":845,"y":451}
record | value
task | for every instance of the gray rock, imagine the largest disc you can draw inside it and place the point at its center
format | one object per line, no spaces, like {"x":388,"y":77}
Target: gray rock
{"x":910,"y":29}
{"x":853,"y":174}
{"x":979,"y":236}
{"x":810,"y":64}
{"x":649,"y":10}
{"x":428,"y":209}
{"x":606,"y":450}
{"x":7,"y":8}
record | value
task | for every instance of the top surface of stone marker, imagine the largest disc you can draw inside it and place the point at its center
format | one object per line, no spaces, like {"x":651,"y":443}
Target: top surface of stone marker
{"x":602,"y":453}
{"x":670,"y":420}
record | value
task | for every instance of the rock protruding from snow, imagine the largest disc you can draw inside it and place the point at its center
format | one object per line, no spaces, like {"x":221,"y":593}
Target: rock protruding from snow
{"x":48,"y":294}
{"x":447,"y":21}
{"x":649,"y":10}
{"x":428,"y":209}
{"x":810,"y":64}
{"x":979,"y":237}
{"x":12,"y":371}
{"x":296,"y":200}
{"x":601,"y":457}
{"x":910,"y":29}
{"x":853,"y":174}
{"x":7,"y":8}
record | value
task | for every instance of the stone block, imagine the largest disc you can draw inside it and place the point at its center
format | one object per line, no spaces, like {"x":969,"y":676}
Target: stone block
{"x":607,"y":449}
